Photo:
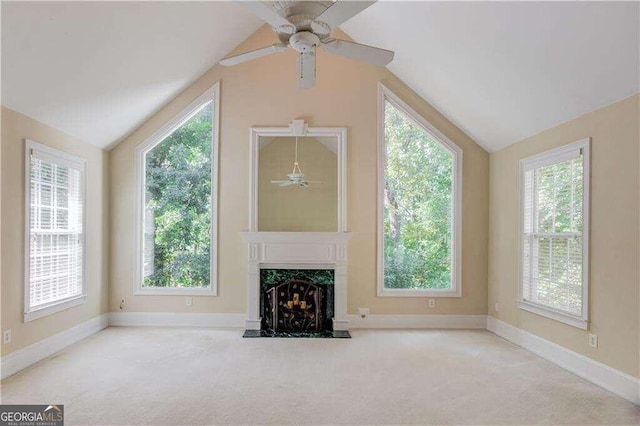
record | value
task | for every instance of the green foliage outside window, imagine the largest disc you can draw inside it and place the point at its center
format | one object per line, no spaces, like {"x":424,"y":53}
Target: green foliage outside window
{"x":418,"y":206}
{"x":178,"y":206}
{"x":553,"y":252}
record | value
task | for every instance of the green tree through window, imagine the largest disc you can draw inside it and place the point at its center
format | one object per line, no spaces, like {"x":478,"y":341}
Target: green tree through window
{"x":177,"y":228}
{"x":418,"y":206}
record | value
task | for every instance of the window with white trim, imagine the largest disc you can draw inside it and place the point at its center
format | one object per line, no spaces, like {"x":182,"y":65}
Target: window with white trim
{"x":554,"y":227}
{"x":55,"y":231}
{"x":176,"y":171}
{"x":419,"y":197}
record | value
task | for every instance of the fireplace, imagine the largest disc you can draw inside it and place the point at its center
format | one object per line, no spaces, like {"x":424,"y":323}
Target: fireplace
{"x":296,"y":300}
{"x":299,"y":278}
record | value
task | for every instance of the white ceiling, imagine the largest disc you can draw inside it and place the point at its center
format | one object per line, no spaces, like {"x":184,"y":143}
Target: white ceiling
{"x":98,"y":70}
{"x":501,"y":71}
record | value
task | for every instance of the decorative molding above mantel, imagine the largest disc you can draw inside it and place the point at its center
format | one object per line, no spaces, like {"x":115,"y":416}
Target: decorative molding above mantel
{"x":301,"y":250}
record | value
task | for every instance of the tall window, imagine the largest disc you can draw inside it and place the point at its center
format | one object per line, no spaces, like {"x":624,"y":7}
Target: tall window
{"x":55,"y":238}
{"x":419,"y":205}
{"x":554,"y":239}
{"x":177,"y":174}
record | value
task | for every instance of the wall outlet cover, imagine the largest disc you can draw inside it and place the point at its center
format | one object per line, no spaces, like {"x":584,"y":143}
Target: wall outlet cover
{"x":189,"y":301}
{"x":593,"y":340}
{"x":6,"y":336}
{"x":432,"y":303}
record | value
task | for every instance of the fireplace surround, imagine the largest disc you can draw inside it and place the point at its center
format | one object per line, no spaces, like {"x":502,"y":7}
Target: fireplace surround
{"x":297,"y":251}
{"x":294,"y":250}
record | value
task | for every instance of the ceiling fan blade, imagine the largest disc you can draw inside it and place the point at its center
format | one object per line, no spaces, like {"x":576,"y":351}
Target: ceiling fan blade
{"x":266,"y":13}
{"x":253,"y":54}
{"x":341,"y":11}
{"x":362,"y":52}
{"x":306,"y":70}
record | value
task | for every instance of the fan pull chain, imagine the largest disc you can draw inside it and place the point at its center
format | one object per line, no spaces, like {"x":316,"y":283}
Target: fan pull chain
{"x":295,"y":163}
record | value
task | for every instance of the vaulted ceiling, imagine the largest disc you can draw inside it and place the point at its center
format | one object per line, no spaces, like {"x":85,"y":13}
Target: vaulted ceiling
{"x":501,"y":71}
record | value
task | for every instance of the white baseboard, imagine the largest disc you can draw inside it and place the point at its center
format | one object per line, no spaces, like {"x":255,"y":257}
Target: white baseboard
{"x":606,"y":377}
{"x":169,"y":319}
{"x":38,"y":351}
{"x":419,"y":321}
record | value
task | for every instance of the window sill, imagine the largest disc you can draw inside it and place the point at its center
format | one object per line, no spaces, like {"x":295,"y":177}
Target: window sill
{"x":554,"y":314}
{"x":398,"y":292}
{"x":52,"y":309}
{"x":159,"y":291}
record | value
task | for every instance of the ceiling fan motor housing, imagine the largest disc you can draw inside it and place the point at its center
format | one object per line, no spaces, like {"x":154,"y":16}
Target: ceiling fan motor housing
{"x":304,"y":41}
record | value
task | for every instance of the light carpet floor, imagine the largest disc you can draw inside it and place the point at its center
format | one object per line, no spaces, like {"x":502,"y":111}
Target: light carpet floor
{"x":171,"y":376}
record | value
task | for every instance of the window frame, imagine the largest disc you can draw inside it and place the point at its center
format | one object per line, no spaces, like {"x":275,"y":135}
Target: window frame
{"x":67,"y":159}
{"x":210,"y":95}
{"x":548,"y":158}
{"x":386,"y":95}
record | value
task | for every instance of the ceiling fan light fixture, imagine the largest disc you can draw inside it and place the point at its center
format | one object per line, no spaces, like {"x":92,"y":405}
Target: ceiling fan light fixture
{"x":305,"y":25}
{"x":304,"y":41}
{"x":296,"y":177}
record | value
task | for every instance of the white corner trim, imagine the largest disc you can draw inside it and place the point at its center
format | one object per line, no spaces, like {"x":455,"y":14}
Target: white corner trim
{"x":622,"y":384}
{"x":419,"y":321}
{"x":25,"y":357}
{"x":170,"y":319}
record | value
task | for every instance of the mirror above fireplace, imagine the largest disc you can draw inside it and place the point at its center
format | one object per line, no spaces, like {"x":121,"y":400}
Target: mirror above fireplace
{"x":298,"y":179}
{"x":297,"y":184}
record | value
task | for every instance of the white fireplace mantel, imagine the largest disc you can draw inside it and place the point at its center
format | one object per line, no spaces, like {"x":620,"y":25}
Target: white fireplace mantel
{"x":297,"y":250}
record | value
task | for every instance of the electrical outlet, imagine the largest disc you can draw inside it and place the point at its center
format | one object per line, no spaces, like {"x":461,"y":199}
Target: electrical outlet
{"x":496,"y":307}
{"x":593,"y":340}
{"x":432,"y":303}
{"x":189,"y":301}
{"x":6,"y":336}
{"x":122,"y":302}
{"x":363,"y":312}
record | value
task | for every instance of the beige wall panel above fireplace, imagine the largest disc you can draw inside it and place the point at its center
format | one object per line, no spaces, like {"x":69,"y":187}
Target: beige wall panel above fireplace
{"x":294,"y":208}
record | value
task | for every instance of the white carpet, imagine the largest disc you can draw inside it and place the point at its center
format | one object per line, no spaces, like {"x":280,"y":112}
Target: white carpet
{"x":156,"y":376}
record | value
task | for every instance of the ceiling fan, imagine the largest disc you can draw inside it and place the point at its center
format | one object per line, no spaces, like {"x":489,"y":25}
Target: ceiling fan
{"x":305,"y":25}
{"x":296,"y":177}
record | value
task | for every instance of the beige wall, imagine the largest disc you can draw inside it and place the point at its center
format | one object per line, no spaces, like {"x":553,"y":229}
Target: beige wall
{"x":264,"y":93}
{"x":614,"y":275}
{"x":293,"y":208}
{"x":15,"y":128}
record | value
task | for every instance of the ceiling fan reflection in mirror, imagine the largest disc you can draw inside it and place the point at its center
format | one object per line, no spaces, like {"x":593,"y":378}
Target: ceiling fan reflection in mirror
{"x":296,"y":177}
{"x":305,"y":25}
